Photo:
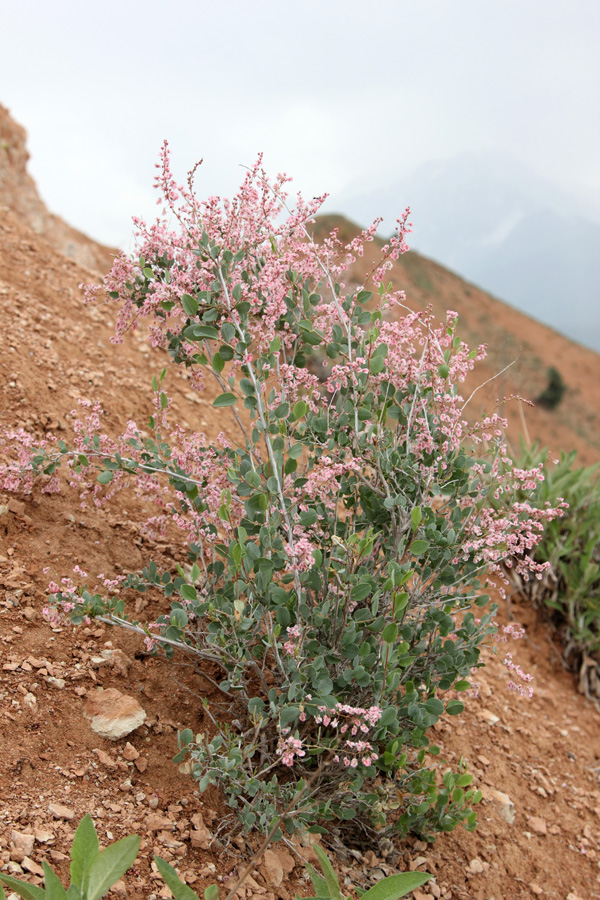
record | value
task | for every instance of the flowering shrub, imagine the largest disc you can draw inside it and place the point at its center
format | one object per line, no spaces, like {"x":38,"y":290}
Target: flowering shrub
{"x":570,"y":548}
{"x":337,"y":546}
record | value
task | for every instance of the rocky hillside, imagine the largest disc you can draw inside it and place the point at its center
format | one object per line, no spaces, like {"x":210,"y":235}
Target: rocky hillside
{"x":19,"y":194}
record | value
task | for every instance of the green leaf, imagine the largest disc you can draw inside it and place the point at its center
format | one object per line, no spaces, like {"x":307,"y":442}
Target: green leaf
{"x":227,"y":332}
{"x":84,"y":850}
{"x":105,"y":477}
{"x":419,"y":547}
{"x":376,"y":365}
{"x":333,"y":886}
{"x":395,"y":886}
{"x":113,"y":862}
{"x":200,"y":333}
{"x":73,"y":893}
{"x":190,"y":305}
{"x":224,"y":400}
{"x":300,"y":409}
{"x":211,"y":892}
{"x":360,"y":591}
{"x":415,"y":517}
{"x":454,"y":707}
{"x":390,"y":633}
{"x":179,"y":890}
{"x":53,"y":884}
{"x":218,"y":363}
{"x":24,"y":890}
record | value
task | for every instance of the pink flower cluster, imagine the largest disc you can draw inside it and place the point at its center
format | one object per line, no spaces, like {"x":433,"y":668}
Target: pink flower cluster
{"x":524,"y":676}
{"x":288,"y":748}
{"x":293,"y":631}
{"x":351,"y":719}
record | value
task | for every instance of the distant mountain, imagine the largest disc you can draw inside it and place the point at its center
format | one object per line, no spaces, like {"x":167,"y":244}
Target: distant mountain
{"x":500,"y":225}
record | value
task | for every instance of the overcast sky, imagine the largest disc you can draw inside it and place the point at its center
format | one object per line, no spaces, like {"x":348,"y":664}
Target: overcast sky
{"x":343,"y":95}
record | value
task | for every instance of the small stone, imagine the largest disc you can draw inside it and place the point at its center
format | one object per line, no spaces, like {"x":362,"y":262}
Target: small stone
{"x":58,"y":683}
{"x":476,"y":866}
{"x":537,"y":825}
{"x":43,"y":836}
{"x":18,"y":508}
{"x":14,"y":868}
{"x":484,"y":760}
{"x":201,"y":838}
{"x":574,"y":896}
{"x":129,"y":752}
{"x":105,"y":758}
{"x":502,"y":802}
{"x":113,"y":714}
{"x":419,"y":895}
{"x":61,"y":812}
{"x":272,"y":869}
{"x":418,"y":861}
{"x":536,"y":889}
{"x":30,"y":701}
{"x":489,"y":717}
{"x":286,"y":860}
{"x":434,"y":889}
{"x":141,"y":763}
{"x":23,"y":842}
{"x":30,"y":866}
{"x":153,"y":802}
{"x":155,"y":822}
{"x":119,"y":887}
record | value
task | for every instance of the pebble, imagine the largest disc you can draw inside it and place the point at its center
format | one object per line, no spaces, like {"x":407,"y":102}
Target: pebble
{"x":418,"y":861}
{"x":58,"y":683}
{"x":129,"y":752}
{"x":23,"y":842}
{"x":156,"y":822}
{"x":476,"y":866}
{"x":502,"y":802}
{"x":537,"y":825}
{"x":105,"y":758}
{"x":61,"y":812}
{"x":30,"y":866}
{"x":271,"y":868}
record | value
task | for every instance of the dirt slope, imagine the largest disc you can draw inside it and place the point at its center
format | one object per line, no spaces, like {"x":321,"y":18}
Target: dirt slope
{"x":544,"y":753}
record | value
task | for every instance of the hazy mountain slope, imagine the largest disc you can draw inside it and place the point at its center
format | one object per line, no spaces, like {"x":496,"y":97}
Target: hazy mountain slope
{"x":19,"y":194}
{"x":504,"y":227}
{"x":513,"y":339}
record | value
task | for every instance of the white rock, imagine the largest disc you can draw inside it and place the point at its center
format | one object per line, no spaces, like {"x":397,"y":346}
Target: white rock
{"x":23,"y":842}
{"x":113,"y":714}
{"x":502,"y":802}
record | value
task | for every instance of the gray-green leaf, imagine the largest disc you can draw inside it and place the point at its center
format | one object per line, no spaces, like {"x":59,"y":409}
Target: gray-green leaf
{"x":395,"y":886}
{"x":24,"y":890}
{"x":111,"y":864}
{"x":53,"y":884}
{"x":84,"y":850}
{"x":179,"y":890}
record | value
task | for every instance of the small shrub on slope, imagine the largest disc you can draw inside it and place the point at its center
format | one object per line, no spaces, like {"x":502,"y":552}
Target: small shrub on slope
{"x":570,"y":549}
{"x":337,"y":545}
